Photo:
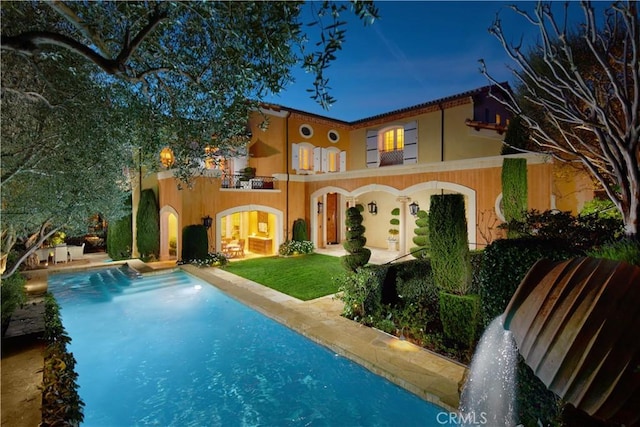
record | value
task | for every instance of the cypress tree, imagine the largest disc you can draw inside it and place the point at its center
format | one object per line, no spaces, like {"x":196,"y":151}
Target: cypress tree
{"x":148,"y":226}
{"x":514,"y":191}
{"x":449,"y":244}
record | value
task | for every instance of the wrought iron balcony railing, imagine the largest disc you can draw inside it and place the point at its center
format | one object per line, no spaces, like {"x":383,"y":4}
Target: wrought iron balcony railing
{"x":242,"y":182}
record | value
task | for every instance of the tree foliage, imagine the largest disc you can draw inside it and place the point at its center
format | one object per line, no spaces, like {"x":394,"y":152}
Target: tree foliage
{"x":62,"y":159}
{"x":578,"y":93}
{"x":200,"y":66}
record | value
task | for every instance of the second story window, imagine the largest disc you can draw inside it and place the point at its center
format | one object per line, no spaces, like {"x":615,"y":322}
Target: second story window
{"x":305,"y":156}
{"x":394,"y":145}
{"x":392,"y":139}
{"x":308,"y":159}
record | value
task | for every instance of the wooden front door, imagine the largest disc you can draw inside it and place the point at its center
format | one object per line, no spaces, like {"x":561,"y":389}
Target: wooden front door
{"x":332,"y":218}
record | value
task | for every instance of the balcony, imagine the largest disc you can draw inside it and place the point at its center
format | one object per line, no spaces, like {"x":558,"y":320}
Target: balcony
{"x":389,"y":158}
{"x":240,"y":181}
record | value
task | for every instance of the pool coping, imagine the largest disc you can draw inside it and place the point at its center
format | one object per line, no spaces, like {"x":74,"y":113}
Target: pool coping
{"x":426,"y":374}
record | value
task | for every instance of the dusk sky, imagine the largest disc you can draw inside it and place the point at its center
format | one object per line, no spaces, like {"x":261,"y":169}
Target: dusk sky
{"x":418,"y":51}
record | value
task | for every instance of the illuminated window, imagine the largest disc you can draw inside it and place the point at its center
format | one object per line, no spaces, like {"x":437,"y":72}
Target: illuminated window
{"x":333,"y":160}
{"x":392,"y":139}
{"x":305,"y":157}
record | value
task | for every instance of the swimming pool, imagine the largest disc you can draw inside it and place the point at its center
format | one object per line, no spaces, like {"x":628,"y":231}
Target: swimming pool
{"x":171,"y":350}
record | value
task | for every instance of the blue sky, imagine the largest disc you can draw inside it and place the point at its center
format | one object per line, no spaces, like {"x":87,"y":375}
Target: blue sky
{"x":418,"y":51}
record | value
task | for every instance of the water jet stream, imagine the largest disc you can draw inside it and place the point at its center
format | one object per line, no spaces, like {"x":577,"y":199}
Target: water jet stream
{"x":489,"y":394}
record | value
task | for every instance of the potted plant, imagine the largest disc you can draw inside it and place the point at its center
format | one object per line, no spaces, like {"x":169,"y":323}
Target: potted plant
{"x":394,"y":231}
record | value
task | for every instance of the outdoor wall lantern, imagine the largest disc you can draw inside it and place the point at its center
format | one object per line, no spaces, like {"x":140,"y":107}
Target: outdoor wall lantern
{"x":373,"y":207}
{"x":166,"y":157}
{"x":320,"y":205}
{"x":207,"y":221}
{"x":414,"y":208}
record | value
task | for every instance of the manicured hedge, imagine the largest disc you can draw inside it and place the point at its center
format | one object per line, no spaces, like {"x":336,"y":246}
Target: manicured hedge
{"x":195,"y":243}
{"x":460,"y":317}
{"x":300,"y":230}
{"x":506,"y":262}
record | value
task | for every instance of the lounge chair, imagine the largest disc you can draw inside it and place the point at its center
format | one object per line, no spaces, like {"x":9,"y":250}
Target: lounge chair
{"x":76,"y":252}
{"x":60,"y":254}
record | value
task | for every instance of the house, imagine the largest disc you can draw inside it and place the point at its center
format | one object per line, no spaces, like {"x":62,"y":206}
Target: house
{"x":314,"y":167}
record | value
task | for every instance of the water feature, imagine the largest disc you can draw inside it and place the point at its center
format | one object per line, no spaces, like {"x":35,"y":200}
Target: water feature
{"x":488,"y":397}
{"x":172,"y":350}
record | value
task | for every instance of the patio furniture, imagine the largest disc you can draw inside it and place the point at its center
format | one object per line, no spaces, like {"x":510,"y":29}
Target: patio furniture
{"x":238,"y":250}
{"x":60,"y":254}
{"x":43,"y":254}
{"x":76,"y":252}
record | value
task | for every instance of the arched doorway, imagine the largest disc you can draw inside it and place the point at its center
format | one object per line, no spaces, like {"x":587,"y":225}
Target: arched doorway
{"x":169,"y":233}
{"x":256,"y":228}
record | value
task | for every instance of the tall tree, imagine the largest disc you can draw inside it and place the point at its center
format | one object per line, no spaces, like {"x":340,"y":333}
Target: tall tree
{"x":578,"y":93}
{"x":202,"y":65}
{"x":63,"y":160}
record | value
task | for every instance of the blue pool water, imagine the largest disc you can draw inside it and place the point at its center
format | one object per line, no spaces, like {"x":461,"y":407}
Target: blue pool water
{"x":171,"y":350}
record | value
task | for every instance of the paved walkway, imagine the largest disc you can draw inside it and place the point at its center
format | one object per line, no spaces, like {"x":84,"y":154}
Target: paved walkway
{"x":424,"y":373}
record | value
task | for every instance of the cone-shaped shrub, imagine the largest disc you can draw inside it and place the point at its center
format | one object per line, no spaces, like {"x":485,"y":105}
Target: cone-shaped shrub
{"x":354,"y":244}
{"x":148,"y":226}
{"x":421,"y":238}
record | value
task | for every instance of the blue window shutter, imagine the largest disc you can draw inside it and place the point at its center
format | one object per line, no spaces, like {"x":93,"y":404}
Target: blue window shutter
{"x":343,"y":161}
{"x":373,"y":156}
{"x":410,"y":153}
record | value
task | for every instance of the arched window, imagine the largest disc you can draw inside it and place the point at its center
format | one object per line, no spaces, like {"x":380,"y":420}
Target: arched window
{"x":393,"y":145}
{"x":392,"y":139}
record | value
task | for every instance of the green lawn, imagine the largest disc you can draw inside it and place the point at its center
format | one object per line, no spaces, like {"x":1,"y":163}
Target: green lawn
{"x":304,"y":277}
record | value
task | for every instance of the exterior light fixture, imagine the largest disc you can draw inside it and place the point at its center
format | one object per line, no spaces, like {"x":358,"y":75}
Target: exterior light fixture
{"x":320,"y":206}
{"x":414,"y":208}
{"x":207,"y":221}
{"x":373,"y":207}
{"x":166,"y":157}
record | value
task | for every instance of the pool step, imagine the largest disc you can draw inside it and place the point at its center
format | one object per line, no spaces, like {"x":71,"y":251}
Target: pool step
{"x":152,"y":283}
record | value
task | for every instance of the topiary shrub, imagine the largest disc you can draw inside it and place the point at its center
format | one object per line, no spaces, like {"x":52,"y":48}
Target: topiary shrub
{"x":505,"y":263}
{"x":449,"y":247}
{"x":195,"y":243}
{"x":460,"y":316}
{"x":421,"y":238}
{"x":120,"y":238}
{"x":354,"y":244}
{"x":148,"y":226}
{"x":300,"y":230}
{"x":514,"y":191}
